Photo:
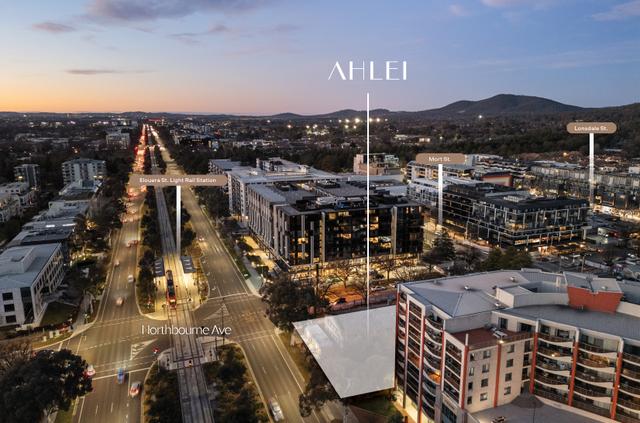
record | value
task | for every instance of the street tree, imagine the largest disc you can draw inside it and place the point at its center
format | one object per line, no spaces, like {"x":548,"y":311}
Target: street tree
{"x":290,"y":301}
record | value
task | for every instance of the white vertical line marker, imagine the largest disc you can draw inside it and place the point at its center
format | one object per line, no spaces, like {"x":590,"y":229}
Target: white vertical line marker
{"x":440,"y":195}
{"x":367,"y":212}
{"x":178,"y":217}
{"x":592,"y":165}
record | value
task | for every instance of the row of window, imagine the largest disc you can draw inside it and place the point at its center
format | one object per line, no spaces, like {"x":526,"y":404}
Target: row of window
{"x":485,"y":396}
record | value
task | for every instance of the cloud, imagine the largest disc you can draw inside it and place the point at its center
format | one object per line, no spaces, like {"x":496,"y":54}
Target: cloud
{"x":192,"y":37}
{"x":53,"y":27}
{"x":503,"y":4}
{"x":458,"y":10}
{"x":88,"y":72}
{"x":619,"y":12}
{"x":148,"y":10}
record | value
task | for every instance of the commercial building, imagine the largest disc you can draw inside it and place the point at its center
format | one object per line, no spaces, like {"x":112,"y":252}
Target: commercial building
{"x":379,"y":164}
{"x":269,"y":171}
{"x":308,"y":223}
{"x":25,"y":196}
{"x":28,"y":276}
{"x":222,"y":166}
{"x":617,"y":192}
{"x":29,"y":173}
{"x":507,"y":217}
{"x":83,"y":170}
{"x":470,"y":343}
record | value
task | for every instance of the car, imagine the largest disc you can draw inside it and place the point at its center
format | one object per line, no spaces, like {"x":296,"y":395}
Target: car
{"x":119,"y":301}
{"x":201,"y":238}
{"x":340,"y":300}
{"x":275,"y":409}
{"x":116,"y":263}
{"x":129,"y":244}
{"x":135,"y":389}
{"x":120,"y":377}
{"x":499,"y":419}
{"x":130,"y":279}
{"x":378,"y":288}
{"x":90,"y":371}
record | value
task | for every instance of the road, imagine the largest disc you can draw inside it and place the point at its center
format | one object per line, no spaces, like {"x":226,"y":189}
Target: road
{"x":275,"y":372}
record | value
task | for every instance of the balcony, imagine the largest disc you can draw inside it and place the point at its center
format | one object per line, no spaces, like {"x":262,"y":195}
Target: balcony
{"x":632,"y":374}
{"x":553,"y":353}
{"x":626,"y":417}
{"x":591,"y":392}
{"x":433,"y":336}
{"x":555,"y":339}
{"x":593,"y":377}
{"x":451,"y":364}
{"x":552,"y":367}
{"x":551,"y":380}
{"x":434,"y":363}
{"x":454,"y":352}
{"x":434,"y":323}
{"x":633,"y":390}
{"x":553,"y":396}
{"x":596,"y":349}
{"x":633,"y":405}
{"x":598,"y":364}
{"x":631,"y":357}
{"x":592,"y":408}
{"x":453,"y":380}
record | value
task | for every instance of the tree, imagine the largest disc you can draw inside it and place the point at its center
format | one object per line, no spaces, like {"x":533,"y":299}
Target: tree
{"x":289,"y":301}
{"x":47,"y":382}
{"x":318,"y":390}
{"x":441,"y":251}
{"x":511,"y":259}
{"x":12,"y":354}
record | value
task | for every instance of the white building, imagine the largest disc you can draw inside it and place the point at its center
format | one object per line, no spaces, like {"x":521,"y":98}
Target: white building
{"x":118,"y":139}
{"x":83,"y":169}
{"x":28,"y":275}
{"x":25,"y":196}
{"x":29,"y":173}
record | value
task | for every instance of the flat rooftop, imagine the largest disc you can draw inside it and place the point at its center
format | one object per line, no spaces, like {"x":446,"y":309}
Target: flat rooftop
{"x":356,"y":351}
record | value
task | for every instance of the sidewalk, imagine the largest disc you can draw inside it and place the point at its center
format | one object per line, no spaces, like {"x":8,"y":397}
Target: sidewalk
{"x":254,"y":281}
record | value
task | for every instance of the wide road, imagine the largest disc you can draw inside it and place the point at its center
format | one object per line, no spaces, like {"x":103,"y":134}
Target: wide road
{"x":117,"y":339}
{"x":275,"y":372}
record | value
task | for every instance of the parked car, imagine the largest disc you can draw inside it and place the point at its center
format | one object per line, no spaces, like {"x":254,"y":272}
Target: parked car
{"x":90,"y":371}
{"x":130,"y":279}
{"x":119,"y":301}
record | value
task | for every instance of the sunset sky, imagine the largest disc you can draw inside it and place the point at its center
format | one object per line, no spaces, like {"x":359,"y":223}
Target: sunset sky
{"x":271,"y":56}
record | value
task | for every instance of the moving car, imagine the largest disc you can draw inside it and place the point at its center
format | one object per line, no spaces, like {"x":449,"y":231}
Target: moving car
{"x":117,"y":263}
{"x":276,"y":411}
{"x":130,"y":279}
{"x":120,"y":378}
{"x":135,"y":389}
{"x":119,"y":301}
{"x":378,"y":288}
{"x":90,"y":371}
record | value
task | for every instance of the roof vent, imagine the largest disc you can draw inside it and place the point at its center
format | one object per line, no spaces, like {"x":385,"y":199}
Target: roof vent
{"x":604,"y":288}
{"x":512,"y":278}
{"x":467,"y":288}
{"x":497,"y":304}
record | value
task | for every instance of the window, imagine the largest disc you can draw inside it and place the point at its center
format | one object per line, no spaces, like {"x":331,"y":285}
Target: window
{"x":486,"y":354}
{"x":471,"y":371}
{"x":470,"y":386}
{"x":484,"y":397}
{"x":472,"y":357}
{"x":507,"y":377}
{"x":507,"y":390}
{"x":511,"y":348}
{"x":10,"y":319}
{"x":9,"y":307}
{"x":484,"y":383}
{"x":503,"y":323}
{"x":510,"y":362}
{"x":485,"y":368}
{"x":469,"y":400}
{"x":7,"y":296}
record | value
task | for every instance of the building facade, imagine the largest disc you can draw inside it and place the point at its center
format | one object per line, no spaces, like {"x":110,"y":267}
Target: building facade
{"x":379,"y":164}
{"x":25,"y":196}
{"x":29,"y":173}
{"x":83,"y":170}
{"x":28,"y":275}
{"x":466,"y":344}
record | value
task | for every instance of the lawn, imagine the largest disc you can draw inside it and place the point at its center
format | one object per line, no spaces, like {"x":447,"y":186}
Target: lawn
{"x":58,"y":313}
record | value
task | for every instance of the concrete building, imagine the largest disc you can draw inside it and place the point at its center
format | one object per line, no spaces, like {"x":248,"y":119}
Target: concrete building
{"x":28,"y":275}
{"x":380,"y":164}
{"x":266,"y":172}
{"x":119,"y":140}
{"x":25,"y":196}
{"x":29,"y":173}
{"x":307,"y":223}
{"x":9,"y":207}
{"x":222,"y":166}
{"x":470,"y":343}
{"x":83,"y":169}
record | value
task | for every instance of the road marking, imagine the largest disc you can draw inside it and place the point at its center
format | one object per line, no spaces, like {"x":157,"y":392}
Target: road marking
{"x":287,"y":364}
{"x":96,"y":413}
{"x":264,"y":370}
{"x":139,"y":346}
{"x":111,"y":409}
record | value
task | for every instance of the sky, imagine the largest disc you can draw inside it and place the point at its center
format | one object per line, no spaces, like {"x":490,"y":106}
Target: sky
{"x":272,"y":56}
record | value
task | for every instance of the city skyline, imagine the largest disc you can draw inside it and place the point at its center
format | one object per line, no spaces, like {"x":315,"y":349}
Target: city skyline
{"x":267,"y":57}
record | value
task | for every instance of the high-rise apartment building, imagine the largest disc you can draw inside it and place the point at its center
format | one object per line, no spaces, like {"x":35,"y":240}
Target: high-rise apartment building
{"x":83,"y":170}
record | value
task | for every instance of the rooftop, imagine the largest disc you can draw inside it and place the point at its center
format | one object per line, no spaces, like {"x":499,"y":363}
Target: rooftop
{"x":20,"y":266}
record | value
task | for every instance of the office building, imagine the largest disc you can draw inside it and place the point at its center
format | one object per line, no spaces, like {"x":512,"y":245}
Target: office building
{"x":29,"y":173}
{"x":83,"y":170}
{"x":28,"y":277}
{"x":469,"y":343}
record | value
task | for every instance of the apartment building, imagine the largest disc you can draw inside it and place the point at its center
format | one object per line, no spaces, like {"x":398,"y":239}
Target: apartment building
{"x":506,"y":217}
{"x":83,"y":169}
{"x":29,"y":173}
{"x":222,"y":166}
{"x":469,"y":343}
{"x":307,"y":223}
{"x":379,"y":164}
{"x":28,"y":275}
{"x":25,"y":196}
{"x":117,"y":139}
{"x":9,"y":207}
